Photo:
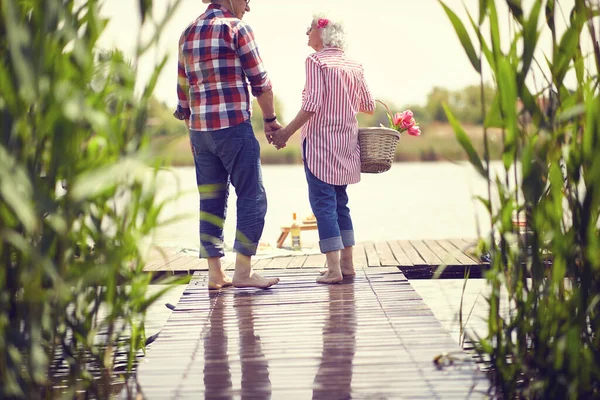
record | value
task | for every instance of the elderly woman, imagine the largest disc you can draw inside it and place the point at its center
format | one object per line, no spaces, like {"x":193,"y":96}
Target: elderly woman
{"x":334,"y":93}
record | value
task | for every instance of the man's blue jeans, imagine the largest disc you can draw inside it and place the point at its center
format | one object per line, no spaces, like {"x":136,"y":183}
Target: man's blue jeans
{"x":224,"y":156}
{"x":329,"y":203}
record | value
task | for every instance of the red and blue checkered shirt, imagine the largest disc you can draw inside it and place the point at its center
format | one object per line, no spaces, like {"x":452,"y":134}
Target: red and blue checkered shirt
{"x":217,"y":58}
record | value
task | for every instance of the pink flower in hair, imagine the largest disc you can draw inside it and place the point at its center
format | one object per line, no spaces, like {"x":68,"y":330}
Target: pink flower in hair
{"x":322,"y":23}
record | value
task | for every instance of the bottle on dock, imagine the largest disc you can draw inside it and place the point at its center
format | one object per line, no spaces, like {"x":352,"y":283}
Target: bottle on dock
{"x":295,"y":233}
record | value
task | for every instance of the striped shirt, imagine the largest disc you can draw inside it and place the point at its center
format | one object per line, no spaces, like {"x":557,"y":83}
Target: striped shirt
{"x":217,"y":56}
{"x":336,"y":91}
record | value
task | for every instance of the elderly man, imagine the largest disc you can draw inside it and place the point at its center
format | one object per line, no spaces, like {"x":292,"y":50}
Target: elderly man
{"x":218,"y":56}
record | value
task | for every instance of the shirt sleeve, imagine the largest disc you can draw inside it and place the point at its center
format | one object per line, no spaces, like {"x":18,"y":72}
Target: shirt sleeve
{"x":367,"y":103}
{"x":314,"y":89}
{"x":252,"y":64}
{"x":183,"y":107}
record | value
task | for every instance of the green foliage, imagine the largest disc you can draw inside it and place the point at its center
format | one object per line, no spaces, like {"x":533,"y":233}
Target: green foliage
{"x":161,"y":121}
{"x":257,"y":120}
{"x":464,"y":103}
{"x":547,"y":346}
{"x":76,"y":199}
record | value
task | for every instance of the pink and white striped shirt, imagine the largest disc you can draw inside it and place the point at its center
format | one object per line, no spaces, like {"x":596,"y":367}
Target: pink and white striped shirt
{"x":335,"y":91}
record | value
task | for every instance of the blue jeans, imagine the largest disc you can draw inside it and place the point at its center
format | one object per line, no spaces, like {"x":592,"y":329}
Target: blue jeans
{"x":224,"y":156}
{"x":329,"y":203}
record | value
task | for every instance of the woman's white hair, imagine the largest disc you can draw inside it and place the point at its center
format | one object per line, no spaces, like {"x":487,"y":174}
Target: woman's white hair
{"x":333,"y":34}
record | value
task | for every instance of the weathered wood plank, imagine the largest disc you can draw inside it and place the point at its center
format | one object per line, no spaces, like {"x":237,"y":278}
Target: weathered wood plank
{"x":227,"y":265}
{"x":399,"y":254}
{"x":455,"y":252}
{"x":411,"y":252}
{"x":179,"y":264}
{"x":386,"y":257}
{"x":360,"y":256}
{"x":370,"y":335}
{"x":372,"y":257}
{"x":280,"y":263}
{"x":297,"y":262}
{"x":463,"y":245}
{"x":262,"y":264}
{"x":427,"y":255}
{"x":441,"y":253}
{"x":315,"y":261}
{"x":159,"y":257}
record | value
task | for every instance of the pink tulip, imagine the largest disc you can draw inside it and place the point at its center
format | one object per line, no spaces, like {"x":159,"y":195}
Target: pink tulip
{"x":407,"y":115}
{"x":407,"y":123}
{"x":397,"y":119}
{"x":414,"y":130}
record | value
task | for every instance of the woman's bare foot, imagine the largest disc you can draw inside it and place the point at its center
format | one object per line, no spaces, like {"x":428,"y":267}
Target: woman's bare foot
{"x":253,"y":280}
{"x":346,"y":271}
{"x":330,"y":278}
{"x":218,"y":280}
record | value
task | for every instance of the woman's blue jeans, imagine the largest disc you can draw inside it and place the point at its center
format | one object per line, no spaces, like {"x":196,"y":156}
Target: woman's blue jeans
{"x":224,"y":156}
{"x":329,"y":203}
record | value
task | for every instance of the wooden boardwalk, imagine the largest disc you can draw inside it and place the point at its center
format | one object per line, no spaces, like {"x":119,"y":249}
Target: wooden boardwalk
{"x":370,"y":337}
{"x":415,"y":258}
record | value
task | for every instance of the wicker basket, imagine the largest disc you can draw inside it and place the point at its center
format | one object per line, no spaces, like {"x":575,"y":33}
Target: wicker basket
{"x":377,"y":149}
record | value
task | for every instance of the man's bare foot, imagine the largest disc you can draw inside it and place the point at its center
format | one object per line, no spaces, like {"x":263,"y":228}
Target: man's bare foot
{"x":218,"y":280}
{"x":254,"y":280}
{"x":330,"y":278}
{"x":346,"y":271}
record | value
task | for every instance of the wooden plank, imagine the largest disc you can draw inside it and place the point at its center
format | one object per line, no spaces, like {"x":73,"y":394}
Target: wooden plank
{"x":179,"y":264}
{"x":199,"y":264}
{"x":280,"y":263}
{"x":455,"y":252}
{"x":306,"y":341}
{"x":227,"y":265}
{"x":463,"y":246}
{"x":399,"y":254}
{"x":169,"y":261}
{"x":297,"y":262}
{"x":315,"y":261}
{"x":159,"y":257}
{"x":427,"y":255}
{"x":411,"y":253}
{"x":372,"y":257}
{"x":445,"y":256}
{"x":386,"y":257}
{"x":360,"y":257}
{"x":262,"y":264}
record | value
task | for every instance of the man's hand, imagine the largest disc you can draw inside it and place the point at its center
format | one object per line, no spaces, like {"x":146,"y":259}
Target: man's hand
{"x":279,"y":138}
{"x":271,"y":127}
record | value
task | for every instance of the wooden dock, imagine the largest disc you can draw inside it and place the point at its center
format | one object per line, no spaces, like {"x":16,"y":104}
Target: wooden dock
{"x":415,"y":258}
{"x":370,"y":337}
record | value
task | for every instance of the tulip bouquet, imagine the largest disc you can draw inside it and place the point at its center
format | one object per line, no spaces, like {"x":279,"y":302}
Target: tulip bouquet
{"x":403,"y":121}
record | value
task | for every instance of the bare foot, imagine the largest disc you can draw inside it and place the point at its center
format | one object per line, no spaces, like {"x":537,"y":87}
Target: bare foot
{"x":346,"y":271}
{"x":254,"y":280}
{"x":218,"y":280}
{"x":330,"y":278}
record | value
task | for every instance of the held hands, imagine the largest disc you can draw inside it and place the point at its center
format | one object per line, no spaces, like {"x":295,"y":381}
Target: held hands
{"x":271,"y":127}
{"x":279,"y":138}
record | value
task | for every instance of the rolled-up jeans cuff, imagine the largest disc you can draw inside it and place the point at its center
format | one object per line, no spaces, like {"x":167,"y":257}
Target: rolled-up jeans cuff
{"x":247,"y":249}
{"x":211,"y":251}
{"x":348,"y":238}
{"x":331,"y":244}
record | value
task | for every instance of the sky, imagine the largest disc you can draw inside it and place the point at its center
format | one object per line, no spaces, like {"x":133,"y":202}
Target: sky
{"x":407,"y":47}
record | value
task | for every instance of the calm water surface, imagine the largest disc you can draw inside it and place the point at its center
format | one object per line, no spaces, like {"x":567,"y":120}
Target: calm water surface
{"x":411,"y":201}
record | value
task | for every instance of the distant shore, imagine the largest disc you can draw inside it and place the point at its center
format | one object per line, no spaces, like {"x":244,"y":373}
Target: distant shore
{"x":437,"y":143}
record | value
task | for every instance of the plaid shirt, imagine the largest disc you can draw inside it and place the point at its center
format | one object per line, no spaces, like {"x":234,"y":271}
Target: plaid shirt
{"x":217,"y":56}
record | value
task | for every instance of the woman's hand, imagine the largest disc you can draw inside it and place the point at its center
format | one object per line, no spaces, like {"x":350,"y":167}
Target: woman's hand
{"x":280,"y":137}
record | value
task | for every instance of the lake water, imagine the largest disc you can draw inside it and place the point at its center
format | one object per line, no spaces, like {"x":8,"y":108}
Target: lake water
{"x":410,"y":201}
